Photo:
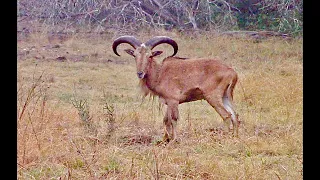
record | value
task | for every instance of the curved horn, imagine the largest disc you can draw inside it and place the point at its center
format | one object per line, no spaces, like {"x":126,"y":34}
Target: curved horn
{"x":134,"y":42}
{"x":153,"y":42}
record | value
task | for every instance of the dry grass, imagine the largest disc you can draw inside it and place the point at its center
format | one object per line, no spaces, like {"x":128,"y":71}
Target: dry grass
{"x":114,"y":135}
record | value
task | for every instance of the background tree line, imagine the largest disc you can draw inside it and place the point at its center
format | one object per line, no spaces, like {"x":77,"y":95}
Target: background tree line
{"x":285,"y":16}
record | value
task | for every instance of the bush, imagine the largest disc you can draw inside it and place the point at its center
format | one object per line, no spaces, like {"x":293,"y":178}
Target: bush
{"x":272,"y":15}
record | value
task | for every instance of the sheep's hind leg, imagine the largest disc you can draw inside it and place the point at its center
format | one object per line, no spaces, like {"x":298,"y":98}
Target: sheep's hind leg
{"x":234,"y":118}
{"x":217,"y":104}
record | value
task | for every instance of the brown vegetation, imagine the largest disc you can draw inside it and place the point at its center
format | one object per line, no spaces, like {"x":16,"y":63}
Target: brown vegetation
{"x":130,"y":15}
{"x":83,"y":118}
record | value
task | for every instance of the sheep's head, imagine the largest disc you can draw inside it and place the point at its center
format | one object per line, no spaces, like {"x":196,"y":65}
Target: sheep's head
{"x":142,"y":52}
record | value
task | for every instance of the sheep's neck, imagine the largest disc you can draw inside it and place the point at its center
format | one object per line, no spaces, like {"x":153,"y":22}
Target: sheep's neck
{"x":153,"y":76}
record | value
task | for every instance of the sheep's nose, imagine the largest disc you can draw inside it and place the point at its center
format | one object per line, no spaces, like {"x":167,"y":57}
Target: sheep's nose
{"x":140,"y":74}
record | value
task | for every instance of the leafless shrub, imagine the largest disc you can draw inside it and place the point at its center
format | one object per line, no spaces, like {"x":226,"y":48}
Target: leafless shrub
{"x":124,"y":13}
{"x":31,"y":106}
{"x":195,"y":15}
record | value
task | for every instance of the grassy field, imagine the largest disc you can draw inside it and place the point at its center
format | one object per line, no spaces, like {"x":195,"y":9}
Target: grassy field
{"x":80,"y":115}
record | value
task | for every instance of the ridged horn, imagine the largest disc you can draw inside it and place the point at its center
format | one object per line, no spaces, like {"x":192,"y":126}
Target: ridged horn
{"x":153,"y":42}
{"x":134,"y":42}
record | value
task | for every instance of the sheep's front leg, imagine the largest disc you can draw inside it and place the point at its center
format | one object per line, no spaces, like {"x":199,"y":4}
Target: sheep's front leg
{"x":167,"y":128}
{"x":170,"y":121}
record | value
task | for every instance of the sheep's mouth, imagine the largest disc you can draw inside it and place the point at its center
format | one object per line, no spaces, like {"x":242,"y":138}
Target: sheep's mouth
{"x":141,"y":75}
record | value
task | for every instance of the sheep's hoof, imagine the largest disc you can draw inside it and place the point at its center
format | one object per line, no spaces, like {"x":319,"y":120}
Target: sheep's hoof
{"x":165,"y":138}
{"x":173,"y":142}
{"x":164,"y":141}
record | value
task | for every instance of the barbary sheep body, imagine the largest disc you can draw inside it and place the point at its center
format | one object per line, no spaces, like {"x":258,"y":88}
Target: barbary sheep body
{"x":178,"y":80}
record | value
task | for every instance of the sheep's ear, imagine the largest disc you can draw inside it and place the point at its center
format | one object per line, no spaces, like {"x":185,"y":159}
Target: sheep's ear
{"x":156,"y":53}
{"x":130,"y":52}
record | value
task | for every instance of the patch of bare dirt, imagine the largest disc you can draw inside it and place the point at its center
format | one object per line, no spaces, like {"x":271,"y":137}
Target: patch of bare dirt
{"x":130,"y":140}
{"x":56,"y":52}
{"x":59,"y":52}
